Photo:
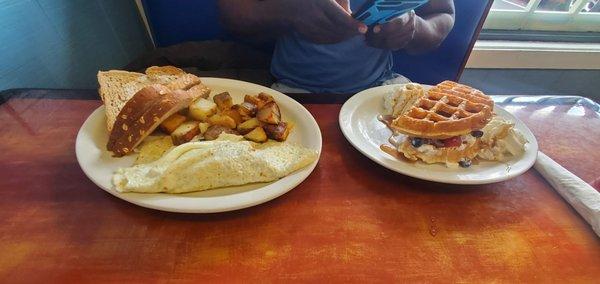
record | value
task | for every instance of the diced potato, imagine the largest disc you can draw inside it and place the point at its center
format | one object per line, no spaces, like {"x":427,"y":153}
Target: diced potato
{"x":246,"y":110}
{"x":202,"y":109}
{"x":222,"y":120}
{"x":254,"y":100}
{"x":290,"y":125}
{"x":172,"y":122}
{"x":214,"y":131}
{"x":185,"y":132}
{"x":223,"y":101}
{"x":248,"y":125}
{"x":184,"y":111}
{"x":233,"y":114}
{"x":269,"y":113}
{"x":257,"y":135}
{"x":251,"y":99}
{"x":265,"y":97}
{"x":278,"y":132}
{"x":203,"y":126}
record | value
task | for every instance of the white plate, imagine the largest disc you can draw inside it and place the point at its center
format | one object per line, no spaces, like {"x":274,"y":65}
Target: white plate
{"x":99,"y":165}
{"x":358,"y":121}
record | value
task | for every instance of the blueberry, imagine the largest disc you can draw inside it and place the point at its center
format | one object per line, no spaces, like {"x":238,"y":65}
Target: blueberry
{"x":465,"y":163}
{"x":416,"y":142}
{"x":477,"y":133}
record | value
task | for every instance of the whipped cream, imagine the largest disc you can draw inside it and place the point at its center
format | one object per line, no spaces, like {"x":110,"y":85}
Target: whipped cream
{"x":402,"y":98}
{"x":429,"y":150}
{"x":502,"y":139}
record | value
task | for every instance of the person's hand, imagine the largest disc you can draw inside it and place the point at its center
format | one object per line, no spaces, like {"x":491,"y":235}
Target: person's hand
{"x":323,"y":21}
{"x":393,"y":35}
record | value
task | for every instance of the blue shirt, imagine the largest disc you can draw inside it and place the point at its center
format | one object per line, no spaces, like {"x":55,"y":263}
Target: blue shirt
{"x":345,"y":67}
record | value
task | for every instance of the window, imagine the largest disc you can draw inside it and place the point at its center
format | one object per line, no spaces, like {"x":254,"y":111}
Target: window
{"x":545,"y":15}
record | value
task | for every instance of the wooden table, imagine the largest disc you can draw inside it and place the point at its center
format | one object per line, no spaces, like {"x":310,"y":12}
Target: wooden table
{"x":351,"y":220}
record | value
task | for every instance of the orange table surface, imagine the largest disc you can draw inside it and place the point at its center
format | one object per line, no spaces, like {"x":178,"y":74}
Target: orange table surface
{"x":351,"y":220}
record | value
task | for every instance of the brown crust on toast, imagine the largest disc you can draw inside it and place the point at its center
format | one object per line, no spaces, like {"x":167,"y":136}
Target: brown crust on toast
{"x":164,"y":71}
{"x":134,"y":109}
{"x":112,"y":91}
{"x":184,"y":82}
{"x":138,"y":129}
{"x":200,"y":91}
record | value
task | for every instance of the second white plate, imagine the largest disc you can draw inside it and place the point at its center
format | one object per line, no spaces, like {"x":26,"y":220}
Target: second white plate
{"x":359,"y":123}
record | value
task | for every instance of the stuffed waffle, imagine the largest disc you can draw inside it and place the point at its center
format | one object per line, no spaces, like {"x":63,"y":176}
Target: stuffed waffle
{"x":450,"y":123}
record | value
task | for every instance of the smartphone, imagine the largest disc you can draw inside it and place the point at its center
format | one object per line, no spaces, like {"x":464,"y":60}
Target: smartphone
{"x":376,"y":12}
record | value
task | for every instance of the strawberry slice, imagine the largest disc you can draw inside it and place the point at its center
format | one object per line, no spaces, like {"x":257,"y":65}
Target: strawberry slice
{"x":452,"y":141}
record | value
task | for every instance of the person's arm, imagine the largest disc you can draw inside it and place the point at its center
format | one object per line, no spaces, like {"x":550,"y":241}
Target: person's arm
{"x":321,"y":21}
{"x":253,"y":18}
{"x":416,"y":32}
{"x":433,"y":26}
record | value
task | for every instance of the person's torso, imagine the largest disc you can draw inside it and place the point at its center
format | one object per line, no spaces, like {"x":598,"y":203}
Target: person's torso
{"x":344,"y":67}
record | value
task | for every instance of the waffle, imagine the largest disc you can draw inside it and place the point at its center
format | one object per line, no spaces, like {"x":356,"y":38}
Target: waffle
{"x":463,"y":91}
{"x":447,"y":110}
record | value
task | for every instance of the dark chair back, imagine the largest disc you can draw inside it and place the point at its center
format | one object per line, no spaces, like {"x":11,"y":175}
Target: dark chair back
{"x":176,"y":21}
{"x":448,"y":61}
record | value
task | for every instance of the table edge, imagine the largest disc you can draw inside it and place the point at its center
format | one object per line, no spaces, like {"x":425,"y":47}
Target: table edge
{"x":92,"y":94}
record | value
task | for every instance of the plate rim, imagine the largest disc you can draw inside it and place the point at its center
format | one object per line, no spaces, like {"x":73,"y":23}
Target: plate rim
{"x":347,"y":111}
{"x":129,"y":197}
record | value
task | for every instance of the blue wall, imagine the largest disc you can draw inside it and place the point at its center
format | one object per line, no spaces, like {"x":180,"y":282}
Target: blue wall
{"x":63,"y":43}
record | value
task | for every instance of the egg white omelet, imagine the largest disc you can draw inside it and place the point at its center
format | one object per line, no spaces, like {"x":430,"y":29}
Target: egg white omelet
{"x":228,"y":161}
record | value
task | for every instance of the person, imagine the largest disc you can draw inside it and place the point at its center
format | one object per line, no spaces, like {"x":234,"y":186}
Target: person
{"x":321,"y":48}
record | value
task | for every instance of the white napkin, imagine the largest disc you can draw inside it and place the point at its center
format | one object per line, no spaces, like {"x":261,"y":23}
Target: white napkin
{"x":582,"y":196}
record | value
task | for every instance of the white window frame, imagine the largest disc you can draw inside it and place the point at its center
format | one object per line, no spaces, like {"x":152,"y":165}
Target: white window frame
{"x":531,"y":19}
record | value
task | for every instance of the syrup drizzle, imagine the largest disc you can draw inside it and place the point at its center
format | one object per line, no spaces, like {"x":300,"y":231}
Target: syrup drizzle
{"x":390,"y":150}
{"x":396,"y":139}
{"x":386,"y":119}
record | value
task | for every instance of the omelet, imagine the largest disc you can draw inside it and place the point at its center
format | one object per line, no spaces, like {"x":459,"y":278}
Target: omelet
{"x":227,"y":161}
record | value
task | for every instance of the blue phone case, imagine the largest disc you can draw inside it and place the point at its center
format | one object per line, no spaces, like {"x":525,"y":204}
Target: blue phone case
{"x":376,"y":12}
